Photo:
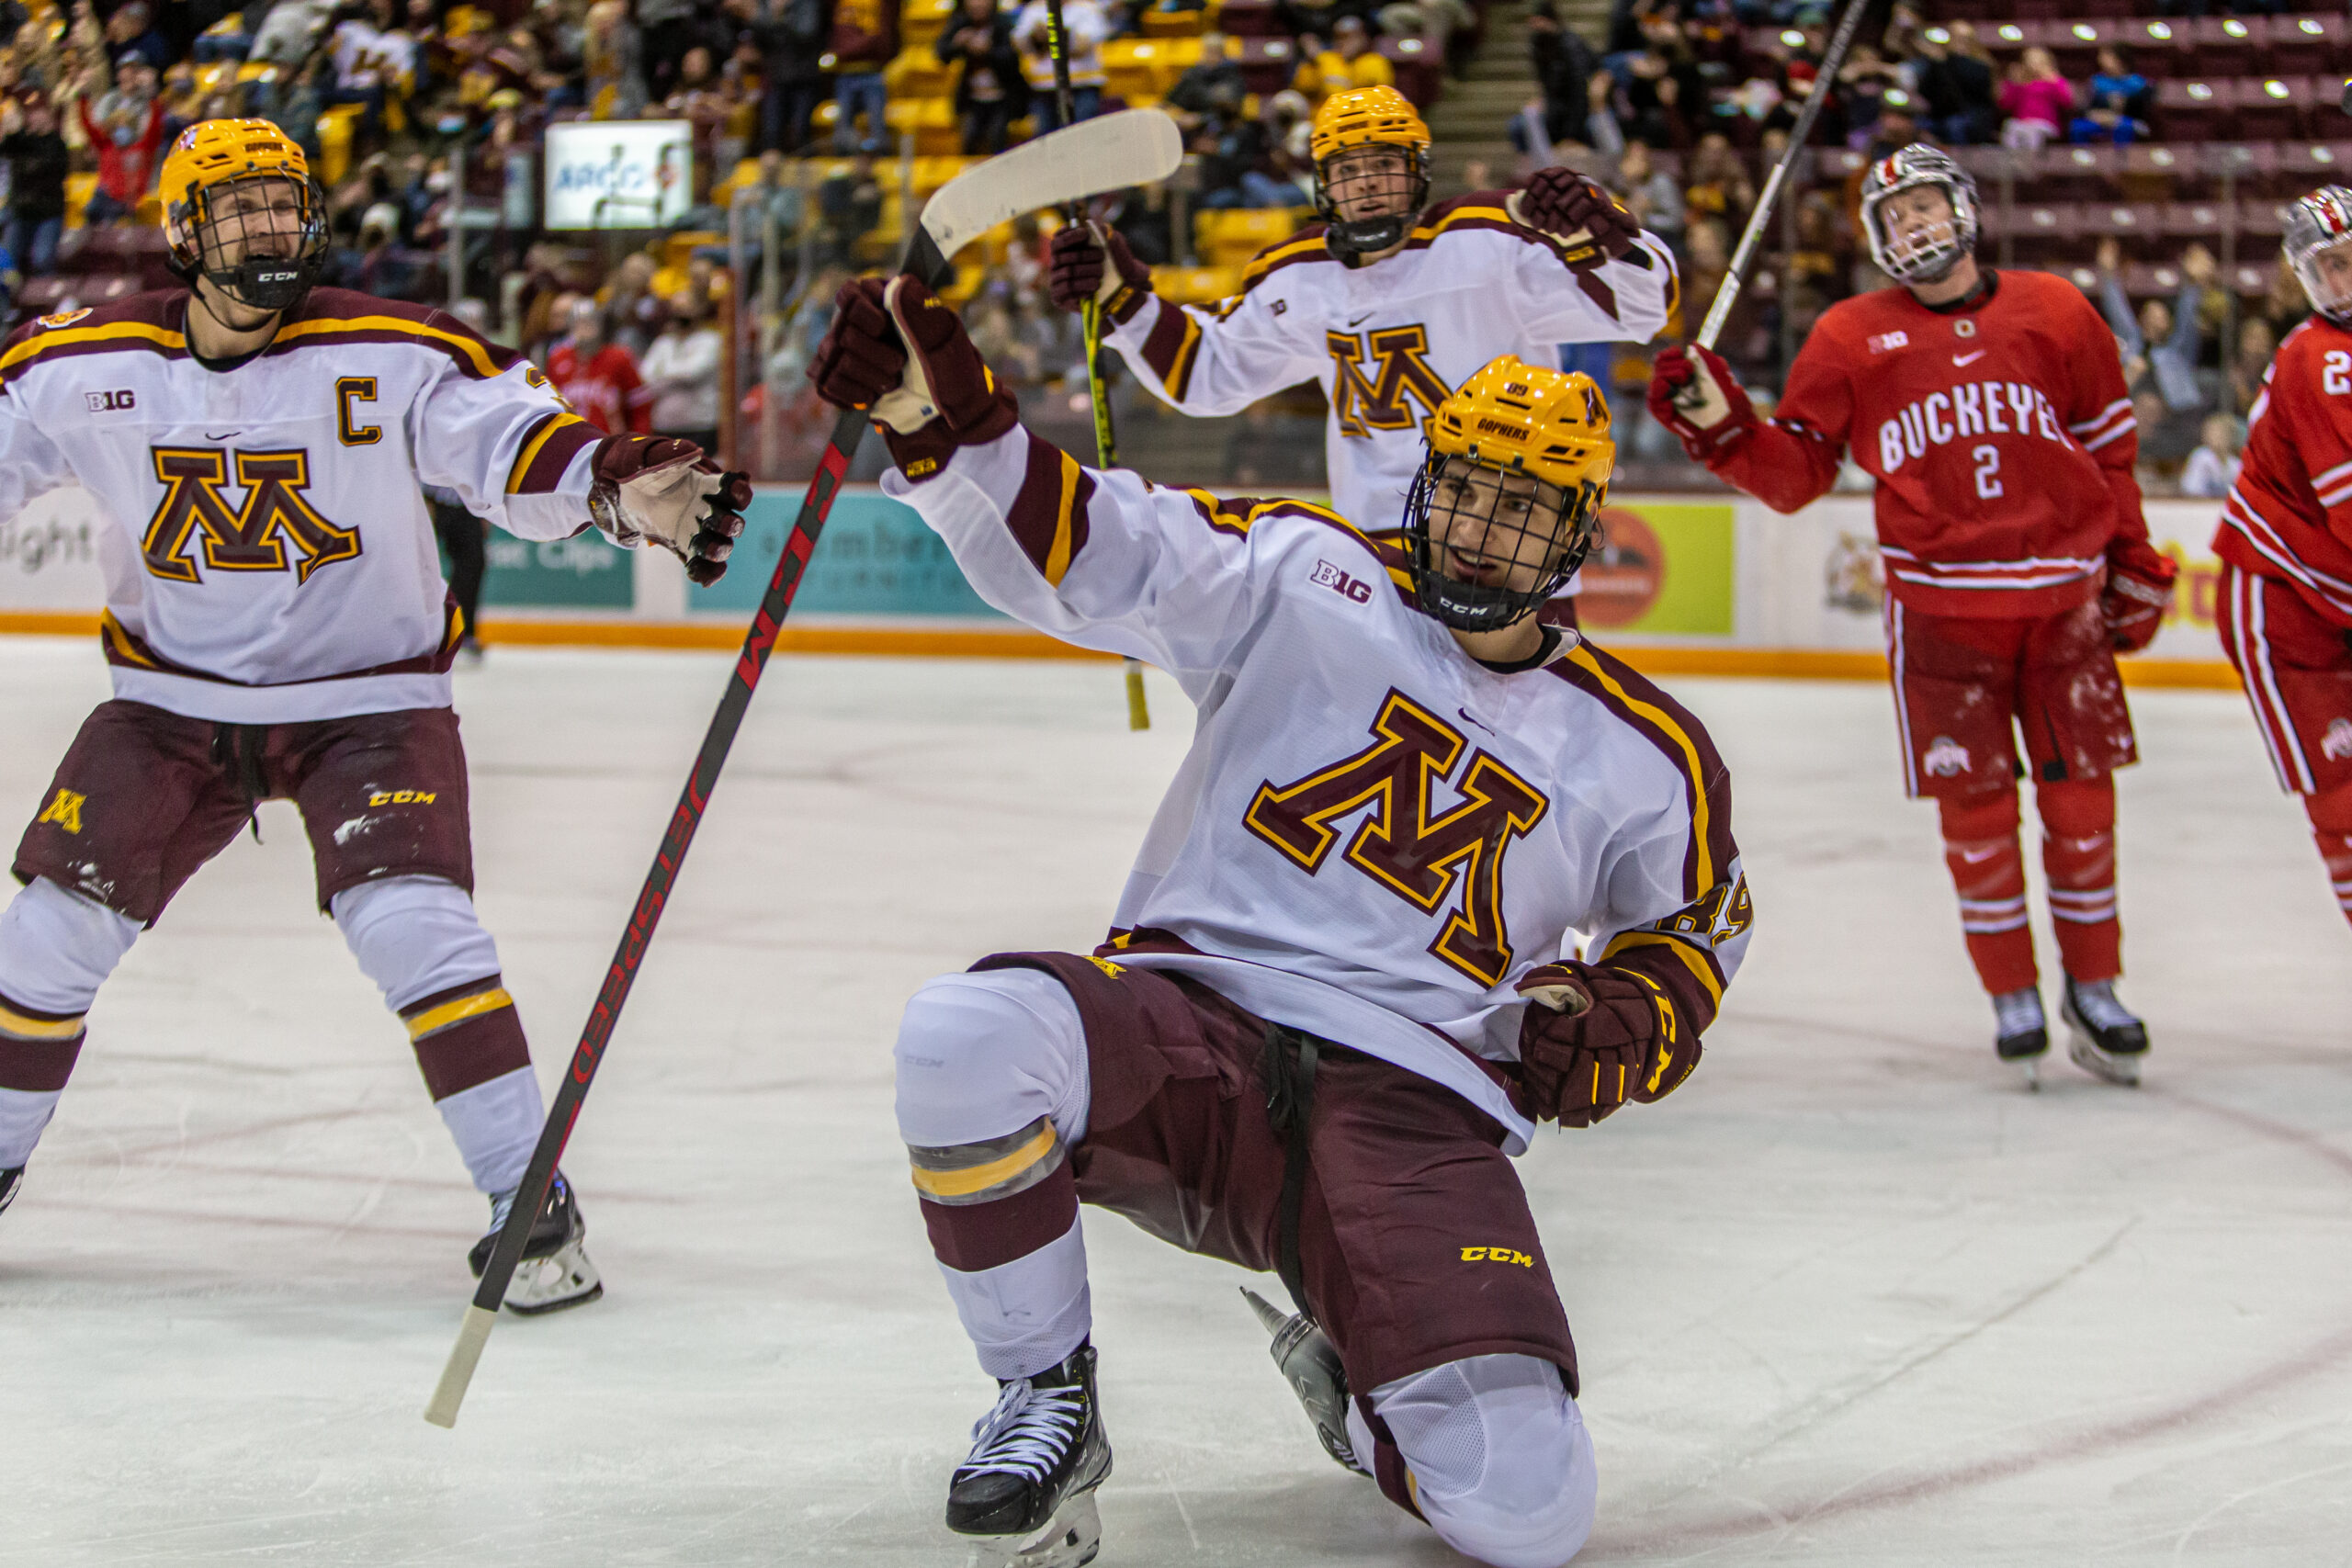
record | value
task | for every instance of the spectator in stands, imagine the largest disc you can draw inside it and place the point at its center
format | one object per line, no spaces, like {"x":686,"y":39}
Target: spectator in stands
{"x":2257,"y":348}
{"x":681,"y":372}
{"x":863,"y":39}
{"x":667,"y":29}
{"x":851,"y":206}
{"x":1956,"y":89}
{"x":1564,"y":66}
{"x":599,"y":378}
{"x":129,"y":31}
{"x":790,"y":36}
{"x":2037,"y":100}
{"x":387,"y":268}
{"x":991,"y":94}
{"x":1351,"y":62}
{"x":127,"y":135}
{"x":1084,"y":27}
{"x":996,"y":332}
{"x":373,"y":59}
{"x":1894,"y":128}
{"x":612,"y":63}
{"x":1650,"y":193}
{"x":1863,"y":82}
{"x":37,"y":163}
{"x":2117,"y":109}
{"x":702,"y":100}
{"x":2212,"y":468}
{"x":633,"y":314}
{"x":2162,"y":341}
{"x":1211,"y":91}
{"x":1716,"y":184}
{"x":1653,"y":102}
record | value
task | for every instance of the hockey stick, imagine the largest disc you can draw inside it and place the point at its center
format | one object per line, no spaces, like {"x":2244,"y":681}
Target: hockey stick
{"x":1090,"y":318}
{"x":1734,"y":279}
{"x":1106,"y":153}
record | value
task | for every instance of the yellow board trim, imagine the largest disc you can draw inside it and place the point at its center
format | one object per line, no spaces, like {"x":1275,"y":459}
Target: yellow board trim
{"x":1058,"y":557}
{"x":1680,"y":949}
{"x":464,"y":1008}
{"x":979,"y":1178}
{"x":1705,"y":861}
{"x":23,"y":1028}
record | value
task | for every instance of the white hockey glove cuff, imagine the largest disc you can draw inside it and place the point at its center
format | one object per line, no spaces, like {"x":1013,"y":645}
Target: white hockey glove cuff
{"x":665,"y":491}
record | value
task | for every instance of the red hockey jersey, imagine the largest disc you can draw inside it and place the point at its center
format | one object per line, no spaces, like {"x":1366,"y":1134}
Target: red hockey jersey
{"x":2290,"y":515}
{"x":2000,"y":435}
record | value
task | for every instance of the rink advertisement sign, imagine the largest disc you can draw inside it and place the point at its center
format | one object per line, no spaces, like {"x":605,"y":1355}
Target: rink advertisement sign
{"x":876,"y":557}
{"x":583,"y":572}
{"x":1662,"y":567}
{"x":609,"y":174}
{"x":49,"y":554}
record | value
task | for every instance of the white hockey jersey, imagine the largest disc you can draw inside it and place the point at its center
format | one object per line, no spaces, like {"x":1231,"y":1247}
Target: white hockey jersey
{"x":1391,"y":341}
{"x":1375,"y":836}
{"x":270,"y":558}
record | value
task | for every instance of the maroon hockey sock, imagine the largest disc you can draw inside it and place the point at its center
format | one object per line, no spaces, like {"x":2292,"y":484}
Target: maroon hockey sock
{"x":1988,"y":873}
{"x":38,"y":1049}
{"x":2331,"y":816}
{"x":1388,"y":1469}
{"x":2078,"y":858}
{"x":466,"y":1035}
{"x":968,"y":1237}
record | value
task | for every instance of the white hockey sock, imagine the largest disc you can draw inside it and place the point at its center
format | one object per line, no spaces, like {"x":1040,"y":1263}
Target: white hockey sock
{"x":496,"y":1125}
{"x":57,"y":948}
{"x":1028,"y":1314}
{"x":23,"y":1113}
{"x":414,"y":936}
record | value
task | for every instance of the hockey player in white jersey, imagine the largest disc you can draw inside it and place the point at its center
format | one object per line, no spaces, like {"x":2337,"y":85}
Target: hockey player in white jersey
{"x":277,"y":627}
{"x":1389,"y":306}
{"x":1434,"y":872}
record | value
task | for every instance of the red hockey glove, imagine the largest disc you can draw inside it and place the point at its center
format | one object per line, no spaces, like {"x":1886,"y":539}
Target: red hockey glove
{"x":1590,"y":224}
{"x":927,"y":403}
{"x":658,"y":488}
{"x":1075,"y":271}
{"x":1593,"y":1038}
{"x":2139,"y":589}
{"x":1694,"y":394}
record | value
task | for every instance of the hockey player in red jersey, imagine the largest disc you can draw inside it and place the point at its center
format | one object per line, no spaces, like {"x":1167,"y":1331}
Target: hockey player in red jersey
{"x":277,"y":627}
{"x":2285,"y":541}
{"x":1434,"y":872}
{"x":1990,"y":408}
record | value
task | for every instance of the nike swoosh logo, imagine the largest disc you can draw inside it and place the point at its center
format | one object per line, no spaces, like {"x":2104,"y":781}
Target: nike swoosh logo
{"x":1467,"y":714}
{"x":1968,"y":359}
{"x":1973,"y":856}
{"x":1361,"y":319}
{"x":222,"y":437}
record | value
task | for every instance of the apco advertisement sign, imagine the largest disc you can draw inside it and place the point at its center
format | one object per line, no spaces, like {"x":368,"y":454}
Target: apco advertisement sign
{"x":1661,"y":568}
{"x":618,"y":173}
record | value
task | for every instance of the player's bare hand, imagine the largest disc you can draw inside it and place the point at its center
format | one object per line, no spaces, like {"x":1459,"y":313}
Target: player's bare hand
{"x":1085,"y":262}
{"x":1694,"y":394}
{"x":2139,"y":591}
{"x":1593,"y":1038}
{"x":657,"y":488}
{"x":1579,"y":213}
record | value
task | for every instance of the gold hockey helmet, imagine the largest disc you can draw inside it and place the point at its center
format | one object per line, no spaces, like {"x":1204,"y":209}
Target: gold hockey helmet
{"x":1361,"y":116}
{"x":240,"y":209}
{"x":1550,"y":425}
{"x":1348,"y":122}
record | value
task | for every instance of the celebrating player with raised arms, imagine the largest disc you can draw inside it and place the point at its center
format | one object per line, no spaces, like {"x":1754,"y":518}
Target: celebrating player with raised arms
{"x":277,"y":627}
{"x":1432,"y":872}
{"x":1389,"y":306}
{"x":1991,"y":410}
{"x":2285,"y":541}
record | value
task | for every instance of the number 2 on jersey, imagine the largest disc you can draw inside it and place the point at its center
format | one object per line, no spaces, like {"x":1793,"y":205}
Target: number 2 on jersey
{"x":2335,"y":373}
{"x":1988,"y":465}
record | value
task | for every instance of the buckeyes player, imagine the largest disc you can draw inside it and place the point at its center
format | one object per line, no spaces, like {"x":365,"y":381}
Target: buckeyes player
{"x":277,"y":627}
{"x":1388,"y":306}
{"x":1990,"y":408}
{"x":2285,"y":541}
{"x":1341,"y":991}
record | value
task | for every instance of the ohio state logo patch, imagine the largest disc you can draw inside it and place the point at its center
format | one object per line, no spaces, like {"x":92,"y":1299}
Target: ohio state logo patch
{"x":1946,"y":758}
{"x":2336,"y":744}
{"x":62,"y":319}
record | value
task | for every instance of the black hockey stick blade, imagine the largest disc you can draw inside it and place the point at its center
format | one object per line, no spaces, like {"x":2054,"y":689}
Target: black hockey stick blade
{"x":972,"y":202}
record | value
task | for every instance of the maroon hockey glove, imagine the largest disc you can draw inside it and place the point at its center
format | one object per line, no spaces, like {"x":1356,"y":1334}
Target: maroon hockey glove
{"x":1591,"y":224}
{"x":2139,"y":589}
{"x":1593,"y":1038}
{"x":1694,"y":394}
{"x":927,"y":403}
{"x":1075,"y":271}
{"x":664,"y":489}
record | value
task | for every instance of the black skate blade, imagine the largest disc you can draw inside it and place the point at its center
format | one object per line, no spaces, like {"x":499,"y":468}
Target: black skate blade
{"x":2121,"y":1071}
{"x":1068,"y":1539}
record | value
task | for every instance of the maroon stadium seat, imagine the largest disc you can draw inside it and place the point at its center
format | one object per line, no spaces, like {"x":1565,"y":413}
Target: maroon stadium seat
{"x":2037,"y":233}
{"x":1249,"y":19}
{"x":2225,"y":46}
{"x":2198,"y":109}
{"x":2271,"y":108}
{"x":2138,"y":226}
{"x":2186,"y":220}
{"x":1267,"y":64}
{"x":2310,"y":46}
{"x":2077,"y":173}
{"x":2251,"y":167}
{"x":2304,"y":166}
{"x":2153,"y":171}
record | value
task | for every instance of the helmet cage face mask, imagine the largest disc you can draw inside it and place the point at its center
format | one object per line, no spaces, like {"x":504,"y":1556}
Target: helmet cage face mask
{"x":2321,"y":225}
{"x":1928,"y":254}
{"x":1364,"y":236}
{"x":242,"y":236}
{"x":1519,"y":523}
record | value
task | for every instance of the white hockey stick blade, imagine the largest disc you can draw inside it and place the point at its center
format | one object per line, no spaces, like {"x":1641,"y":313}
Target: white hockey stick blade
{"x":1111,"y":152}
{"x":472,"y":1335}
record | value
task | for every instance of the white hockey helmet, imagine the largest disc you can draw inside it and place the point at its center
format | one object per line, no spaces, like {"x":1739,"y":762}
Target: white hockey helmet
{"x":1926,"y":255}
{"x":2318,"y":246}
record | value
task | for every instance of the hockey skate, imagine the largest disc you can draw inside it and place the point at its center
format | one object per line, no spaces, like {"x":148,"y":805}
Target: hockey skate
{"x":1311,"y":1366}
{"x":2023,"y":1033}
{"x":2104,"y":1038}
{"x":1025,"y":1493}
{"x":10,"y":1181}
{"x":555,"y":1271}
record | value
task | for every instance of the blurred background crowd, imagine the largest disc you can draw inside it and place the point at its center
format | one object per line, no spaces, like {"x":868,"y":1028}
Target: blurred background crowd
{"x":2141,"y":147}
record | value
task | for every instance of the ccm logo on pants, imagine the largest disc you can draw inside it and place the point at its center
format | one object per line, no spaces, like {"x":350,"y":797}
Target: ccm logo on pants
{"x":1496,"y":1254}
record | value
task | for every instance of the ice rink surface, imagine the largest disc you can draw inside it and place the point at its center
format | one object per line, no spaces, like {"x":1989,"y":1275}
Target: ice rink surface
{"x":1849,"y":1297}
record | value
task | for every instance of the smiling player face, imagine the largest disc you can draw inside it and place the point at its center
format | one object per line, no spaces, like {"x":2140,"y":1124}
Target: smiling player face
{"x":1496,"y":529}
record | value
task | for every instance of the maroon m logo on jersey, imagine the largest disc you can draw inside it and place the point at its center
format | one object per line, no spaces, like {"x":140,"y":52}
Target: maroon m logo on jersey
{"x":1406,"y":844}
{"x":1364,"y":403}
{"x":254,"y":537}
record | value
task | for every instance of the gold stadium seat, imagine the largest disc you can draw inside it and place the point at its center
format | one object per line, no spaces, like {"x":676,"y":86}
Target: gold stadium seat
{"x":1195,"y":285}
{"x":1231,"y":238}
{"x":1132,"y":65}
{"x":917,"y":74}
{"x":921,"y":22}
{"x":79,"y":188}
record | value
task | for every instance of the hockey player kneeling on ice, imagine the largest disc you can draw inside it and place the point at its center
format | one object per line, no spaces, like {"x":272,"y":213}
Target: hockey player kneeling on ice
{"x":277,"y":627}
{"x":1347,"y":980}
{"x":1990,"y":409}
